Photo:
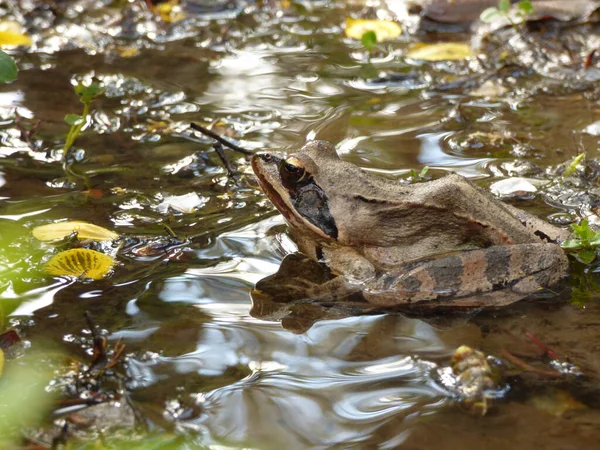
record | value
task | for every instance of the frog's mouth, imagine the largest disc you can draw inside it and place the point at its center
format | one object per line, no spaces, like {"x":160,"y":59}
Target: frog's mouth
{"x":265,"y":166}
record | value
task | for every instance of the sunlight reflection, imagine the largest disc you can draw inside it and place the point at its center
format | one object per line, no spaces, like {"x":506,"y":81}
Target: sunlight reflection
{"x":432,"y":154}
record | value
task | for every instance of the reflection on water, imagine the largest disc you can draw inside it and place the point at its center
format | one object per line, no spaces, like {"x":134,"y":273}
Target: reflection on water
{"x":241,"y":376}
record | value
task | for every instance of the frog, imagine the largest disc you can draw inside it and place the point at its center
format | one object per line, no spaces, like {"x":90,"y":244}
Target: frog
{"x":441,"y":242}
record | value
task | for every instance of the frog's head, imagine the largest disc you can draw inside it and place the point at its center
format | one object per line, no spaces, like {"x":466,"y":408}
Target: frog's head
{"x":298,"y":187}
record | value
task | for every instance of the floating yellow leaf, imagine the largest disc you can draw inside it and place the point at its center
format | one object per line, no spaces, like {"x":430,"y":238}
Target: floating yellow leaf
{"x":1,"y":361}
{"x":169,"y":11}
{"x":383,"y":29}
{"x":60,"y":230}
{"x":80,"y":262}
{"x":11,"y":34}
{"x":442,"y":51}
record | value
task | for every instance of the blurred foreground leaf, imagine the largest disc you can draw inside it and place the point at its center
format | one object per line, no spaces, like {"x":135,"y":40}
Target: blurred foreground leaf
{"x":23,"y":398}
{"x":8,"y":68}
{"x":80,"y":262}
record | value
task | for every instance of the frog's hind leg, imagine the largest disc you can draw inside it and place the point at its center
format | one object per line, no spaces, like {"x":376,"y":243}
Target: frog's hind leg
{"x":514,"y":272}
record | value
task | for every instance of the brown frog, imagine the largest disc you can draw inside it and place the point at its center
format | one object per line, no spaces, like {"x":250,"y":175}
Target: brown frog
{"x":443,"y":242}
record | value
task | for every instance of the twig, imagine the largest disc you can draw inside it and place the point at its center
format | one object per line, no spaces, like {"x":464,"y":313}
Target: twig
{"x":539,"y":344}
{"x":219,"y":149}
{"x":216,"y":137}
{"x":523,"y":365}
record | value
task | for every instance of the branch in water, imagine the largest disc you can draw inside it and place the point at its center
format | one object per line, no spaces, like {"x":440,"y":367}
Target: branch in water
{"x":216,"y":137}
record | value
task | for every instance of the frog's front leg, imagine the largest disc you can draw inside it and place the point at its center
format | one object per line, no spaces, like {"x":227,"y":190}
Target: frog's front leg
{"x":518,"y":270}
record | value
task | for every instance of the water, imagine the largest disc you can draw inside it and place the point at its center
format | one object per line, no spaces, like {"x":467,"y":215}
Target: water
{"x":201,"y":359}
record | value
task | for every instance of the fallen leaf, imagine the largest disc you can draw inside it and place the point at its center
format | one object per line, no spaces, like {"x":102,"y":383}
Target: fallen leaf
{"x":80,"y":262}
{"x":169,"y":11}
{"x":11,"y":34}
{"x":84,"y":230}
{"x":441,"y":51}
{"x":383,"y":29}
{"x":1,"y":361}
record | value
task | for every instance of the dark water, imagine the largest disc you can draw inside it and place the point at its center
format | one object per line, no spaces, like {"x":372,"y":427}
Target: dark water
{"x":272,"y":78}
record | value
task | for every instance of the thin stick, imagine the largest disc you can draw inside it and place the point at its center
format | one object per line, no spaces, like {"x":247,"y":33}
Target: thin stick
{"x":219,"y":149}
{"x":523,"y":365}
{"x":216,"y":137}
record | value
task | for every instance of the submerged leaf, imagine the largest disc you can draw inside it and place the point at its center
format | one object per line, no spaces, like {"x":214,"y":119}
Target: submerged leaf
{"x":383,"y":29}
{"x":84,"y":230}
{"x":80,"y":262}
{"x":442,"y":51}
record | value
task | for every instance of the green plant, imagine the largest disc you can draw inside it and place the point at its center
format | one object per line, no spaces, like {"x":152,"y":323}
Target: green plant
{"x":572,"y":167}
{"x":419,"y":175}
{"x":8,"y":68}
{"x":87,"y":94}
{"x":585,"y":242}
{"x":369,"y":39}
{"x":523,"y":10}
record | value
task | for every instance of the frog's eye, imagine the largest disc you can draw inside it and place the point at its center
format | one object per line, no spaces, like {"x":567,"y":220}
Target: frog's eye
{"x":292,"y":171}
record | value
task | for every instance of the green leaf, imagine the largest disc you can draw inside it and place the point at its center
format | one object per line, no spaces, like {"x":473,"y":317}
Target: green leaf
{"x":525,"y":7}
{"x":586,"y":256}
{"x":582,"y":231}
{"x":423,"y":172}
{"x":595,"y":241}
{"x":89,"y":93}
{"x":489,"y":15}
{"x":73,"y":119}
{"x":572,"y":167}
{"x":572,"y":244}
{"x":8,"y":68}
{"x":504,"y":6}
{"x":369,"y":39}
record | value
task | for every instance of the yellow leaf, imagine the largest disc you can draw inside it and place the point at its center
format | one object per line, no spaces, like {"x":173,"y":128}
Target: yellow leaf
{"x":169,"y":11}
{"x":442,"y":51}
{"x":8,"y":39}
{"x":383,"y":29}
{"x":11,"y":34}
{"x":1,"y":361}
{"x":80,"y":262}
{"x":60,"y":230}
